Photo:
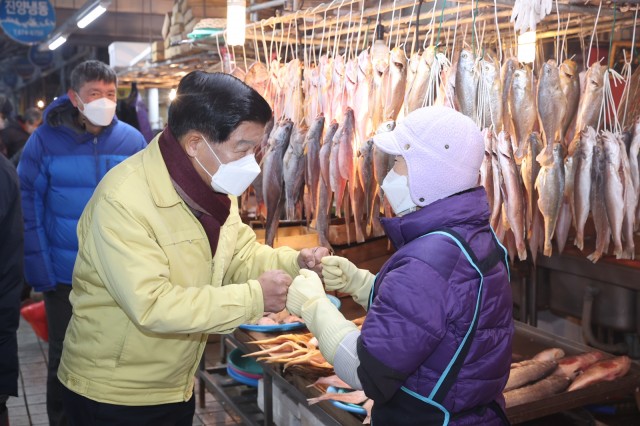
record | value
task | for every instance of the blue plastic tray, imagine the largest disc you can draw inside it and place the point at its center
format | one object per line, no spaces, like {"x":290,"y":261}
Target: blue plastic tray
{"x":284,"y":327}
{"x":352,"y":408}
{"x":242,"y":379}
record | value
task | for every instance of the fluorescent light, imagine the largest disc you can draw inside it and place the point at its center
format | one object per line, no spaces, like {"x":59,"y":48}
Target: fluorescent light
{"x":236,"y":22}
{"x":91,"y":16}
{"x":527,"y":47}
{"x":57,"y":42}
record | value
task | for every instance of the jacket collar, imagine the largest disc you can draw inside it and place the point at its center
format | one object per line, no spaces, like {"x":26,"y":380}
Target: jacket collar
{"x":162,"y":190}
{"x":466,"y":208}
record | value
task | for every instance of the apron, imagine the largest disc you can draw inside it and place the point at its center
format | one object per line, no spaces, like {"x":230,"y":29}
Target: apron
{"x":436,"y":413}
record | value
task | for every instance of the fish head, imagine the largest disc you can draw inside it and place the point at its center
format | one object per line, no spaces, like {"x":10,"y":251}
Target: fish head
{"x":503,"y":144}
{"x":466,"y":61}
{"x":569,"y":68}
{"x":611,"y":146}
{"x":558,"y":151}
{"x":550,"y":70}
{"x":429,"y":55}
{"x":535,"y":141}
{"x":489,"y":71}
{"x":519,"y":79}
{"x":588,"y":133}
{"x":414,"y":62}
{"x":595,"y":76}
{"x":351,"y":71}
{"x":398,"y":59}
{"x":365,"y":68}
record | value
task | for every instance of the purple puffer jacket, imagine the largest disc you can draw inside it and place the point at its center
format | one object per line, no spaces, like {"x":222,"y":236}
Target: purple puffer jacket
{"x":425,"y":300}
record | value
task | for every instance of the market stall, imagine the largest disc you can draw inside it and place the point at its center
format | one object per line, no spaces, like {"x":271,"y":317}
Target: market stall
{"x":552,"y":84}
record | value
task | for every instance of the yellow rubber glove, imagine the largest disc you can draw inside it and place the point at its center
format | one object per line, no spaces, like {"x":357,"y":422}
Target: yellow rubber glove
{"x":341,"y":275}
{"x":307,"y":299}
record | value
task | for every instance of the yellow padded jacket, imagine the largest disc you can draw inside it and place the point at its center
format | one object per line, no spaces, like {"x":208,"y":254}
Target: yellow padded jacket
{"x":146,"y":292}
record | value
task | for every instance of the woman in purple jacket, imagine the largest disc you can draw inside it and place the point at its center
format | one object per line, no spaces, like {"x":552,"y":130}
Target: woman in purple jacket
{"x":435,"y":347}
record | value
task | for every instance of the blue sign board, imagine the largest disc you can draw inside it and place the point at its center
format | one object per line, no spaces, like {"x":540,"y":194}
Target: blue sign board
{"x":42,"y":59}
{"x":27,"y":21}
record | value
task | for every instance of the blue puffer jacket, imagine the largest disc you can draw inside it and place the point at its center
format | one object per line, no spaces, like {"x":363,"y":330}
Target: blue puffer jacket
{"x":59,"y":169}
{"x":425,"y":298}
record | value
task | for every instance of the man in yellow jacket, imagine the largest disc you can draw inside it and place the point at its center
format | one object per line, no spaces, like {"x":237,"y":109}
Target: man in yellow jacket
{"x":164,"y":259}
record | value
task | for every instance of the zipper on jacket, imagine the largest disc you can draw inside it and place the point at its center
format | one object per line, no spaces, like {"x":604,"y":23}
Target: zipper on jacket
{"x":95,"y":155}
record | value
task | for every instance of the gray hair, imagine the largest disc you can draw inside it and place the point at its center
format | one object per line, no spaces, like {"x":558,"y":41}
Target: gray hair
{"x":92,"y":70}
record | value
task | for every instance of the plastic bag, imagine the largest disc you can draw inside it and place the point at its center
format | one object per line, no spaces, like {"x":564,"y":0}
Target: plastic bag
{"x":36,"y":316}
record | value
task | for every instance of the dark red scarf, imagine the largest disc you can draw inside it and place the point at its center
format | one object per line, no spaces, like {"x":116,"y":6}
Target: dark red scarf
{"x":210,"y":207}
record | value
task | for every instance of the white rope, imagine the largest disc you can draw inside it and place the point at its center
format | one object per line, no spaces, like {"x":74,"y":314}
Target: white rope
{"x":495,"y":15}
{"x":430,"y":31}
{"x":393,"y":13}
{"x":594,"y":33}
{"x":413,"y":9}
{"x":627,"y":87}
{"x":360,"y":26}
{"x":455,"y":33}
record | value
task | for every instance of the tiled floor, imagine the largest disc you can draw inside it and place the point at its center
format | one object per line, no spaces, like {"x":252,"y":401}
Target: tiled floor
{"x":30,"y":407}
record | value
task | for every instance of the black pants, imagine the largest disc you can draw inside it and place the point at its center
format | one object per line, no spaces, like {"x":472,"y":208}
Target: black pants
{"x":58,"y":315}
{"x":83,"y":411}
{"x":4,"y":413}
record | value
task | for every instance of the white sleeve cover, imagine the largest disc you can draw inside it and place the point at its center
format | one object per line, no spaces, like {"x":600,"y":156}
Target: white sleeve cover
{"x":346,"y":361}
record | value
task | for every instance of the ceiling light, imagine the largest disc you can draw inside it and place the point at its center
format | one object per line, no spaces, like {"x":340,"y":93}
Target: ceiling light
{"x":57,"y":42}
{"x":92,"y":14}
{"x":172,"y":94}
{"x":236,"y":22}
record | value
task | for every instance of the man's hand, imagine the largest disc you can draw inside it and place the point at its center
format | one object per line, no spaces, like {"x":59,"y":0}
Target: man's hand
{"x":275,"y":285}
{"x":310,"y":258}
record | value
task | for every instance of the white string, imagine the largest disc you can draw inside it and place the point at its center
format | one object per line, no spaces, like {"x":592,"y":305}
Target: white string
{"x":413,"y":9}
{"x":455,"y":33}
{"x":430,"y":31}
{"x":360,"y":27}
{"x":564,"y":38}
{"x":398,"y":29}
{"x":393,"y":12}
{"x":593,"y":34}
{"x":495,"y":15}
{"x":628,"y":66}
{"x":558,"y":35}
{"x":338,"y":25}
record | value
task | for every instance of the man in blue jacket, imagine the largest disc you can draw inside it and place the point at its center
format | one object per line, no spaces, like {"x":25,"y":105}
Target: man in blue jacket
{"x":79,"y":141}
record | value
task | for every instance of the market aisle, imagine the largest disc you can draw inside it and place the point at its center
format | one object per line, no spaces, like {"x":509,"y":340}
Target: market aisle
{"x":29,"y":409}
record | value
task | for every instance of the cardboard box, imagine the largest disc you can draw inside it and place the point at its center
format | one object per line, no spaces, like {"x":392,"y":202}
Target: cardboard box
{"x":189,"y":26}
{"x":176,"y":29}
{"x":157,"y":56}
{"x":187,"y":15}
{"x":157,"y":46}
{"x":206,"y":9}
{"x":166,"y":25}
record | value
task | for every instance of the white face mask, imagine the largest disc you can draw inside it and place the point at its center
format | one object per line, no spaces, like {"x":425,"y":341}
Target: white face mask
{"x":235,"y":177}
{"x":396,"y":190}
{"x":99,"y":112}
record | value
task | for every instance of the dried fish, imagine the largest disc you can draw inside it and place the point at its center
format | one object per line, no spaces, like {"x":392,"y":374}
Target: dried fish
{"x":546,"y":387}
{"x":550,"y":186}
{"x":529,"y":372}
{"x":602,"y":371}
